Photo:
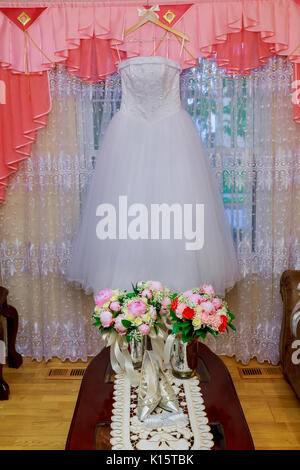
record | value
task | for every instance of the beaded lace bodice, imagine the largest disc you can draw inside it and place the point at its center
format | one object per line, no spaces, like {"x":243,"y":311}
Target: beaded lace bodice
{"x":150,"y":87}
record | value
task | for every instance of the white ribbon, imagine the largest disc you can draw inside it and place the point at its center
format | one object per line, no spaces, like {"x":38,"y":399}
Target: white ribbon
{"x":119,"y":356}
{"x":168,"y":348}
{"x":143,"y":11}
{"x":157,"y":342}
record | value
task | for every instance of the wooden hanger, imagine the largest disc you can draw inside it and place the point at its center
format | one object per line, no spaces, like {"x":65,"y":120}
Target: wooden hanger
{"x":150,"y":15}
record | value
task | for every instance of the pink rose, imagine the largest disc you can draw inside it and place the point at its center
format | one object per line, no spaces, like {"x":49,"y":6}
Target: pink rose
{"x":103,"y":296}
{"x":208,"y":306}
{"x":120,"y":328}
{"x":196,"y":298}
{"x":152,"y":312}
{"x":207,"y":289}
{"x":144,"y":329}
{"x":155,"y":285}
{"x":137,"y":308}
{"x":147,"y":293}
{"x":179,"y":310}
{"x":216,"y":322}
{"x":115,"y":306}
{"x":106,"y":318}
{"x":166,"y":301}
{"x":217,"y":303}
{"x":205,"y":318}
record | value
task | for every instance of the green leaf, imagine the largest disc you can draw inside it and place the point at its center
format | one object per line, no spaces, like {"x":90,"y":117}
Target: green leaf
{"x":231,"y":316}
{"x":212,"y":332}
{"x":232,"y":326}
{"x":173,"y":315}
{"x":176,"y":328}
{"x":128,"y":338}
{"x":201,"y":333}
{"x":126,"y":323}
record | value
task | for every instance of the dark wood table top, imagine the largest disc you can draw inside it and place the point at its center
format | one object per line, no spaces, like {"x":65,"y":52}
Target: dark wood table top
{"x":90,"y":425}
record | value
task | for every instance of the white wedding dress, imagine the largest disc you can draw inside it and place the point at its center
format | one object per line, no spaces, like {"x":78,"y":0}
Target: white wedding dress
{"x":151,"y":154}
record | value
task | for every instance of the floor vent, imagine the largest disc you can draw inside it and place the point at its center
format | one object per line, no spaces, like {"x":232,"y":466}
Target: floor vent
{"x":57,"y":374}
{"x":268,"y":372}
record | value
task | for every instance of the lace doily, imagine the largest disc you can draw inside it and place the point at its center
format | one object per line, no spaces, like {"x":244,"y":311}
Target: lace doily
{"x":129,"y":433}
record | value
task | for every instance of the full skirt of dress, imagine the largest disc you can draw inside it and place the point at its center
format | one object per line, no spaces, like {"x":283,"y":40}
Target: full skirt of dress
{"x":153,"y":163}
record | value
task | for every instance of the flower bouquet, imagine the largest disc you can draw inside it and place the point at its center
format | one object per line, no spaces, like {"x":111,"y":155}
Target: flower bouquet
{"x":125,"y":321}
{"x":194,"y":314}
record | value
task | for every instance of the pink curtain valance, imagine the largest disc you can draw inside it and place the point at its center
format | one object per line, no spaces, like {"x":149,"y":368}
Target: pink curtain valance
{"x":58,"y":31}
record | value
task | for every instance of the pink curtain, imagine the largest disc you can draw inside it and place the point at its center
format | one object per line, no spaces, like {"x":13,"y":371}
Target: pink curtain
{"x":209,"y":24}
{"x":24,"y":105}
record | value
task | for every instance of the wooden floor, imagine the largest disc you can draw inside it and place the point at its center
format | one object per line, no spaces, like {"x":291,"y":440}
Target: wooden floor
{"x":39,"y":411}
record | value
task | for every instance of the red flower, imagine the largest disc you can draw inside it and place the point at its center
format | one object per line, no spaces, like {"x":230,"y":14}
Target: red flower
{"x":224,"y":323}
{"x":174,"y":304}
{"x":188,"y":313}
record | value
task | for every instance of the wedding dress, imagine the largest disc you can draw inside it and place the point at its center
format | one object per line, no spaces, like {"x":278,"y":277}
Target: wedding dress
{"x":151,"y":172}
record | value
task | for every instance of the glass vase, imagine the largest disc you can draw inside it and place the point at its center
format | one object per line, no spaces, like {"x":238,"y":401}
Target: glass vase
{"x":136,"y":350}
{"x":184,"y":358}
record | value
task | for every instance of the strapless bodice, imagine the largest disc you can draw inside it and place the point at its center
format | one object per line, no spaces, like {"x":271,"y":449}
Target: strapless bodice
{"x":150,"y":87}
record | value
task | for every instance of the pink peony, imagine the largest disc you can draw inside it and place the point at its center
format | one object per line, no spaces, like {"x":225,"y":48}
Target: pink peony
{"x":179,"y":310}
{"x":208,"y":306}
{"x":216,"y":322}
{"x":207,"y":289}
{"x":115,"y":306}
{"x":120,"y":328}
{"x":155,"y":285}
{"x":144,"y":329}
{"x":137,"y":308}
{"x":106,"y":318}
{"x":152,"y":312}
{"x":147,"y":293}
{"x":205,"y":318}
{"x":166,"y":301}
{"x":217,"y":303}
{"x":103,"y":296}
{"x":196,"y":298}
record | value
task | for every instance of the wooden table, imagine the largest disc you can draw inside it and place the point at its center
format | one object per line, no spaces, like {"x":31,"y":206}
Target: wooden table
{"x":90,"y":425}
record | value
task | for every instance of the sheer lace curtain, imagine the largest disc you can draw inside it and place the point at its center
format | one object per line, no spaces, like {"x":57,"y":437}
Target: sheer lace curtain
{"x":253,"y":144}
{"x":38,"y":221}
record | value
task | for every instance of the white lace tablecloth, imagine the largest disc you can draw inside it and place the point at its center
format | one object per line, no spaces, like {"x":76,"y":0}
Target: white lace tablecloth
{"x":129,"y":433}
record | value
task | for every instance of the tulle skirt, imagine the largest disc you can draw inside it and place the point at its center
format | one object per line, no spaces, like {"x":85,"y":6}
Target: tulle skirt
{"x":142,"y":165}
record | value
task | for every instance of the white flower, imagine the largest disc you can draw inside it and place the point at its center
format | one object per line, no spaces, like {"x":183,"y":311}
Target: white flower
{"x":196,"y":323}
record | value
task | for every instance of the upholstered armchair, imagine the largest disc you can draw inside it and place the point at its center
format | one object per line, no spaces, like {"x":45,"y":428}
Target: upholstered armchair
{"x":290,"y":330}
{"x":14,"y":359}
